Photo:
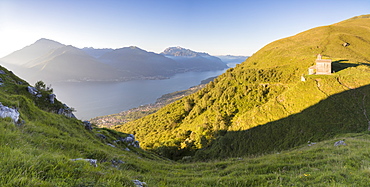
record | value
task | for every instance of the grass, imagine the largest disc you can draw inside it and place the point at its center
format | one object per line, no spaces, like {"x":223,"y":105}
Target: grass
{"x":250,"y":122}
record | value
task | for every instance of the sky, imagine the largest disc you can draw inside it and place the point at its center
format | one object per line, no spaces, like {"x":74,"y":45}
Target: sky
{"x":218,"y":27}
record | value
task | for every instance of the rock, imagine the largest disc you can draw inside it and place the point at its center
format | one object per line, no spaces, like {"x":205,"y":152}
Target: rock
{"x":303,"y":79}
{"x":101,"y":136}
{"x":111,"y":145}
{"x":311,"y":143}
{"x":2,"y":72}
{"x":139,"y":183}
{"x":87,"y":125}
{"x":338,"y":143}
{"x":130,"y":140}
{"x":32,"y":90}
{"x":92,"y":161}
{"x":9,"y":112}
{"x":66,"y":111}
{"x":116,"y":163}
{"x":51,"y":98}
{"x":345,"y":44}
{"x":127,"y":149}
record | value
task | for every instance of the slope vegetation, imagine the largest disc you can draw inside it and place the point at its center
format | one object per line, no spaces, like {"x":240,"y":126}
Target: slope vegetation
{"x":267,"y":89}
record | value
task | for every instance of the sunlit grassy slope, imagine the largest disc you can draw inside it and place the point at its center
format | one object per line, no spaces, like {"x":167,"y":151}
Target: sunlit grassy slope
{"x":267,"y":90}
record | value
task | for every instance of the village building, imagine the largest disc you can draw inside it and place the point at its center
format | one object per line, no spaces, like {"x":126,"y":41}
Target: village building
{"x":322,"y":67}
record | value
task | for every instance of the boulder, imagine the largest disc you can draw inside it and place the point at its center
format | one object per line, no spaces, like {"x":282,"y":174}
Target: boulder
{"x":32,"y":90}
{"x":130,"y":140}
{"x":101,"y":136}
{"x":9,"y":112}
{"x":66,"y":111}
{"x":338,"y":143}
{"x":92,"y":161}
{"x":87,"y":125}
{"x":52,"y":98}
{"x":311,"y":143}
{"x":111,"y":145}
{"x":2,"y":72}
{"x":139,"y":183}
{"x":116,"y":163}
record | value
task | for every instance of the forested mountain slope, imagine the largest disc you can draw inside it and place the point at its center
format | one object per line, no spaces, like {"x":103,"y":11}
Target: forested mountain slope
{"x":268,"y":88}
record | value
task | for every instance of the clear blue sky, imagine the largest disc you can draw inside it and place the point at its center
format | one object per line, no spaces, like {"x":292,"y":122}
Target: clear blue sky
{"x":219,"y":27}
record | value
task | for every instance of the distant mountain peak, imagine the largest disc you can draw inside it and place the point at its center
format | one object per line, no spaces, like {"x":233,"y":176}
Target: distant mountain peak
{"x":134,"y":47}
{"x":45,"y":40}
{"x":180,"y":51}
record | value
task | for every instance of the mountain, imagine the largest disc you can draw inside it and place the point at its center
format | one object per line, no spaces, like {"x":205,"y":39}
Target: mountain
{"x":69,"y":63}
{"x":269,"y":102}
{"x":96,"y":53}
{"x":39,"y":48}
{"x":140,"y":62}
{"x":194,"y":61}
{"x":232,"y":60}
{"x":52,"y":61}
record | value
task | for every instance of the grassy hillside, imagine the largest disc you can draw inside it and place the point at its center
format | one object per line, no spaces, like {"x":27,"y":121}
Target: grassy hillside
{"x":41,"y":147}
{"x":39,"y":150}
{"x":267,"y":89}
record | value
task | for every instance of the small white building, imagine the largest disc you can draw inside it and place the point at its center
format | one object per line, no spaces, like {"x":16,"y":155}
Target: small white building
{"x":322,"y":67}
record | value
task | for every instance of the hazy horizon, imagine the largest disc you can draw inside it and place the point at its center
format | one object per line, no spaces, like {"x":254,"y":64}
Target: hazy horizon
{"x":217,"y":27}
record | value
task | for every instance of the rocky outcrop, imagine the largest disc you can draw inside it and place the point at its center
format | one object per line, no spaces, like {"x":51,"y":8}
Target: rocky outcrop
{"x":52,"y":98}
{"x":139,"y":183}
{"x":88,"y":125}
{"x":338,"y":143}
{"x":116,"y":163}
{"x":130,"y":140}
{"x":34,"y":91}
{"x":102,"y":136}
{"x":9,"y":112}
{"x":66,"y":111}
{"x":93,"y":162}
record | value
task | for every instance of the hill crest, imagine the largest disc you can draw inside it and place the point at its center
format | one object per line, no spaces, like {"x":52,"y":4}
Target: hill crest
{"x":265,"y":88}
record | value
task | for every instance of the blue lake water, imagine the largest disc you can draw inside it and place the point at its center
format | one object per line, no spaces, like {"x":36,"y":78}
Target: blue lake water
{"x":92,"y":99}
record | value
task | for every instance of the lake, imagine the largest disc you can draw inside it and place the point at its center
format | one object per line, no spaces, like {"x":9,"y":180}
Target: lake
{"x":92,"y":99}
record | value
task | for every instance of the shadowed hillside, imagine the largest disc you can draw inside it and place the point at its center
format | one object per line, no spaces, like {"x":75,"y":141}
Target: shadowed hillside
{"x":340,"y":113}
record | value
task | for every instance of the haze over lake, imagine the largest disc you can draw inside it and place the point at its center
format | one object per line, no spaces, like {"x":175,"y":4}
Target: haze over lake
{"x":92,"y":99}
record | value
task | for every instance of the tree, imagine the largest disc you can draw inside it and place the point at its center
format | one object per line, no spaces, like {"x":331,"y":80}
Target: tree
{"x":40,"y":85}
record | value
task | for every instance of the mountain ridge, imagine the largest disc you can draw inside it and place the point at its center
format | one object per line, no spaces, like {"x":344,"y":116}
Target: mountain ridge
{"x":127,"y":63}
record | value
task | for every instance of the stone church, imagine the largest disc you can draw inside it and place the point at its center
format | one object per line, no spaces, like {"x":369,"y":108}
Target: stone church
{"x":322,"y":67}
